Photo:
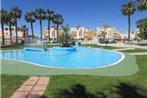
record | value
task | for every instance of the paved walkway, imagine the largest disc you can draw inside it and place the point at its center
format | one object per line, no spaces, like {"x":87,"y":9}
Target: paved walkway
{"x":123,"y":49}
{"x":139,"y":53}
{"x":34,"y":87}
{"x":134,"y":53}
{"x":125,"y":45}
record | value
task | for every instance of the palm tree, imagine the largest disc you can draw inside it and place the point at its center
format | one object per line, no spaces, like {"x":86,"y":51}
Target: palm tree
{"x":65,"y":38}
{"x":49,"y":17}
{"x":3,"y":21}
{"x":24,"y":29}
{"x":16,"y":14}
{"x":141,"y":5}
{"x":142,"y":25}
{"x":103,"y":34}
{"x":29,"y":17}
{"x":10,"y":22}
{"x":127,"y":10}
{"x":58,"y":20}
{"x":40,"y":15}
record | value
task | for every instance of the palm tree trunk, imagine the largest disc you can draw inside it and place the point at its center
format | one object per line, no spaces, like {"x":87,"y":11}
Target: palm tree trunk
{"x":104,"y":38}
{"x":32,"y":30}
{"x":10,"y":33}
{"x":57,"y":31}
{"x":3,"y":38}
{"x":41,"y":30}
{"x":16,"y":31}
{"x":129,"y":27}
{"x":24,"y":35}
{"x":49,"y":31}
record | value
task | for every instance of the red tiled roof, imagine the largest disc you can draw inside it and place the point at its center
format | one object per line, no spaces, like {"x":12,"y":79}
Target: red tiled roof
{"x":78,"y":26}
{"x":106,"y":26}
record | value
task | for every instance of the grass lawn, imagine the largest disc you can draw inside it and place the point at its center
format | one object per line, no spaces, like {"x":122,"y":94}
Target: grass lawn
{"x":134,"y":50}
{"x":56,"y":45}
{"x":99,"y":46}
{"x":9,"y":83}
{"x":13,"y":47}
{"x":102,"y":84}
{"x":22,"y":46}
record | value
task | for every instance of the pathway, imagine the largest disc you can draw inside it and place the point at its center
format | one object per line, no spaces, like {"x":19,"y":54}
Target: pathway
{"x":134,"y":53}
{"x":124,"y":45}
{"x":123,"y":49}
{"x":34,"y":87}
{"x":139,"y":53}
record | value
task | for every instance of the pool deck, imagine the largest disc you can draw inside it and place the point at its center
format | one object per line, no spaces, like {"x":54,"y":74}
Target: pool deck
{"x":126,"y":67}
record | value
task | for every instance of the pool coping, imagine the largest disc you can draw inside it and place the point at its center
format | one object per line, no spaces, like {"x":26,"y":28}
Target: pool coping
{"x":103,"y":66}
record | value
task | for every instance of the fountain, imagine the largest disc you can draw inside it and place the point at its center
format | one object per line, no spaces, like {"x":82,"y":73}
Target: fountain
{"x":36,"y":47}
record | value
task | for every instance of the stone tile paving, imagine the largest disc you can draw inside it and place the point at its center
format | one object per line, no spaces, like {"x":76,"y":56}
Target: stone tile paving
{"x":43,"y":81}
{"x":20,"y":95}
{"x":34,"y":87}
{"x":25,"y":88}
{"x":35,"y":94}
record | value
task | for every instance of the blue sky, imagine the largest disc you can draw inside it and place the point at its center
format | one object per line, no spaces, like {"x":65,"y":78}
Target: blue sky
{"x":88,"y":13}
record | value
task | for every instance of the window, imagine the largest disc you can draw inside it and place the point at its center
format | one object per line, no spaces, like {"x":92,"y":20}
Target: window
{"x":12,"y":29}
{"x":6,"y":29}
{"x":80,"y":32}
{"x":53,"y":33}
{"x":6,"y":33}
{"x":110,"y":34}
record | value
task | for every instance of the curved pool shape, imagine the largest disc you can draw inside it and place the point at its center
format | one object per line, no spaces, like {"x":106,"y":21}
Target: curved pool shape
{"x":82,"y":58}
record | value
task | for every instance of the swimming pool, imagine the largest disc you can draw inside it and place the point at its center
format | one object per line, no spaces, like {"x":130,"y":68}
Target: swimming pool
{"x":64,"y":58}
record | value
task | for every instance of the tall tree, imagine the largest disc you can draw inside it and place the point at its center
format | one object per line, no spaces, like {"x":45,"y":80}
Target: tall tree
{"x":30,"y":18}
{"x":65,"y":38}
{"x":58,"y":20}
{"x":103,"y":34}
{"x":142,"y":5}
{"x":128,"y":9}
{"x":10,"y":23}
{"x":16,"y":14}
{"x":142,"y":25}
{"x":24,"y":29}
{"x":3,"y":21}
{"x":49,"y":17}
{"x":40,"y":15}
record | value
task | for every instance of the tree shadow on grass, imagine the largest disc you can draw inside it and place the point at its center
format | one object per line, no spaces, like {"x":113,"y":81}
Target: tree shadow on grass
{"x":130,"y":91}
{"x":76,"y":91}
{"x":122,"y":90}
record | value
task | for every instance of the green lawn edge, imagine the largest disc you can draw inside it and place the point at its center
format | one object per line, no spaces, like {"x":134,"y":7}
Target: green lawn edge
{"x":126,"y":67}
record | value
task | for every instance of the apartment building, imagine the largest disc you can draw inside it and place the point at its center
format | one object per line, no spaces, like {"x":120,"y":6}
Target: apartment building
{"x":21,"y":35}
{"x":111,"y":33}
{"x":82,"y":33}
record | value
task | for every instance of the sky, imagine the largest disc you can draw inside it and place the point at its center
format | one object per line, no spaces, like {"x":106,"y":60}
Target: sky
{"x":87,"y":13}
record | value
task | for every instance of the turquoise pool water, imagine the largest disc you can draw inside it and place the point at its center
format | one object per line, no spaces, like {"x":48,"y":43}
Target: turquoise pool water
{"x":64,"y":58}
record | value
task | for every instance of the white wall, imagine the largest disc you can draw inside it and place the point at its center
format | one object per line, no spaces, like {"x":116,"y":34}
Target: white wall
{"x":80,"y":32}
{"x":7,"y":32}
